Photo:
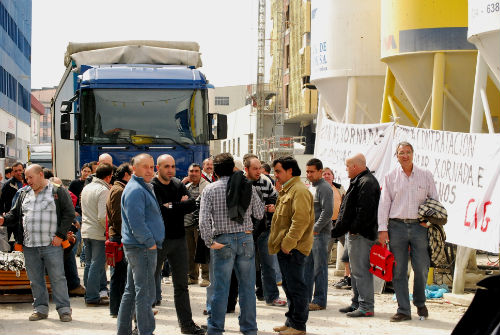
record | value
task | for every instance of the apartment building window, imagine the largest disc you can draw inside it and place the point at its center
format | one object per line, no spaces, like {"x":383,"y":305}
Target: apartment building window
{"x":224,"y":146}
{"x":238,"y":147}
{"x":250,"y":143}
{"x":234,"y":147}
{"x":222,"y":101}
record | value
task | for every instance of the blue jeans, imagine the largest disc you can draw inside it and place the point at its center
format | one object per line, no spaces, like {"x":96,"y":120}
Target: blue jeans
{"x":36,"y":261}
{"x":361,"y":278}
{"x":94,"y":268}
{"x":402,"y":235}
{"x":139,"y":292}
{"x":292,"y":268}
{"x":268,"y":273}
{"x":238,"y":253}
{"x":211,"y":278}
{"x":277,"y":269}
{"x":317,"y":270}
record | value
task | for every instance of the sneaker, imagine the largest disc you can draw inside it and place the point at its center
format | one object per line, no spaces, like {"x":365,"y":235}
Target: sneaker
{"x":103,"y":294}
{"x":277,"y":302}
{"x":343,"y":283}
{"x":65,"y":317}
{"x":204,"y":283}
{"x":423,"y":312}
{"x":398,"y":317}
{"x":194,"y":329}
{"x":192,"y":281}
{"x":279,"y":283}
{"x":360,"y":313}
{"x":347,"y":309}
{"x":315,"y":307}
{"x":77,"y":292}
{"x":37,"y":316}
{"x":166,"y":280}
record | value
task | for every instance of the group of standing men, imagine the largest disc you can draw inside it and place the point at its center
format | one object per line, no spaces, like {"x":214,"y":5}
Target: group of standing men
{"x":150,"y":214}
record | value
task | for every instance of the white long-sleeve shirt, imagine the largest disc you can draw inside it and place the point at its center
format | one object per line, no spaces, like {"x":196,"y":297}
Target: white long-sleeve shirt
{"x":402,"y":195}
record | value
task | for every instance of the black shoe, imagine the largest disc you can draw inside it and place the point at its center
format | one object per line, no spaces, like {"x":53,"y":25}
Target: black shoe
{"x":398,"y":317}
{"x":97,"y":303}
{"x":347,"y":309}
{"x":260,"y":298}
{"x":193,"y":329}
{"x":343,"y":283}
{"x":230,"y":311}
{"x":422,"y":311}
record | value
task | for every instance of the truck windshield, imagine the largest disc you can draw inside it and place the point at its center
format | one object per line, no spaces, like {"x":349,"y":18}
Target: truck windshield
{"x":138,"y":116}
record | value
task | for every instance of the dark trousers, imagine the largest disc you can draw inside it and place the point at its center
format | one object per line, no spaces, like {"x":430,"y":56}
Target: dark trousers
{"x":292,"y":268}
{"x":70,"y":270}
{"x":175,"y":250}
{"x":232,"y":298}
{"x":117,"y":285}
{"x":192,"y":237}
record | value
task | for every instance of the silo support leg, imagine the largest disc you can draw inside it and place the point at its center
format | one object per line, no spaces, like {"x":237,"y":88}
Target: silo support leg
{"x":437,"y":91}
{"x":461,"y":261}
{"x":390,"y":82}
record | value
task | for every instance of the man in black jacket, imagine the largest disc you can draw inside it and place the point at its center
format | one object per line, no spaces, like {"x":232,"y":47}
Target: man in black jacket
{"x":358,"y":217}
{"x":9,"y":190}
{"x":175,"y":201}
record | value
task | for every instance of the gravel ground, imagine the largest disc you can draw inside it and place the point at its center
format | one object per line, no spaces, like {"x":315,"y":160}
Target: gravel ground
{"x":442,"y":317}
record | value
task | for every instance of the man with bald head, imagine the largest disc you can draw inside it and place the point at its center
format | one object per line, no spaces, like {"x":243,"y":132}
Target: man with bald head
{"x":175,"y":201}
{"x":41,"y":216}
{"x":358,"y":217}
{"x":142,"y":235}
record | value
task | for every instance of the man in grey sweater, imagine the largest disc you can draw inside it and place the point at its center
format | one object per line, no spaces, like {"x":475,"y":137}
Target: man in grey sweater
{"x":317,"y":261}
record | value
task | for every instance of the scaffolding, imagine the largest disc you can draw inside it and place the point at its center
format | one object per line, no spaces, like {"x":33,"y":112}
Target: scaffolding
{"x":268,"y":146}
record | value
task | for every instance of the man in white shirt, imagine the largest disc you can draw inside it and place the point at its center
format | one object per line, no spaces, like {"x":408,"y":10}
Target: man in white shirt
{"x":404,"y":189}
{"x":208,"y":170}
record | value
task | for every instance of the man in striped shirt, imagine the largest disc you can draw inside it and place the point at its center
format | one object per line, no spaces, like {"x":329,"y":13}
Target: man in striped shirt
{"x":404,"y":189}
{"x":232,"y":246}
{"x":262,"y":228}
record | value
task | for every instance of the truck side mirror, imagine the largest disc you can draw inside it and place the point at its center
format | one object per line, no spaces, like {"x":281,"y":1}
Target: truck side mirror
{"x":66,"y":106}
{"x":218,"y":126}
{"x":65,"y":126}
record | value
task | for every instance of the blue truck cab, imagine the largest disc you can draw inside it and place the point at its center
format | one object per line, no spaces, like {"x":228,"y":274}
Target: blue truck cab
{"x":127,"y":109}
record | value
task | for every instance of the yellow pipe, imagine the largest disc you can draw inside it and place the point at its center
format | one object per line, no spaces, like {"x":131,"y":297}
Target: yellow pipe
{"x":394,"y":111}
{"x":437,"y":91}
{"x":390,"y":82}
{"x":405,"y":111}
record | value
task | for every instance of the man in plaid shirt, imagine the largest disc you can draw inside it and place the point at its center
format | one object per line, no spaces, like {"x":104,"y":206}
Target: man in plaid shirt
{"x":42,"y":216}
{"x":231,"y":246}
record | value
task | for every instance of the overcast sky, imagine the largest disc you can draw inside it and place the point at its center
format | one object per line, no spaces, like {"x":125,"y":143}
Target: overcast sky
{"x":225,"y":29}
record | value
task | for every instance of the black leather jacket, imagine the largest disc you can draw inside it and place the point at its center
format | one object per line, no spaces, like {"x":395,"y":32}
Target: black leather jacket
{"x":359,"y":209}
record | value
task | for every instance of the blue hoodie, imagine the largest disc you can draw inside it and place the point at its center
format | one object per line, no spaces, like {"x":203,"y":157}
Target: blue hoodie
{"x":142,"y":223}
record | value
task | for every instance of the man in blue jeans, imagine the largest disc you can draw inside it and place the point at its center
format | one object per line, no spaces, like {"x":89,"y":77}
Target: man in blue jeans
{"x":358,"y":217}
{"x":41,"y":217}
{"x":404,"y":189}
{"x":261,"y":230}
{"x":317,"y":261}
{"x":93,"y":202}
{"x":226,"y":227}
{"x":142,"y":232}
